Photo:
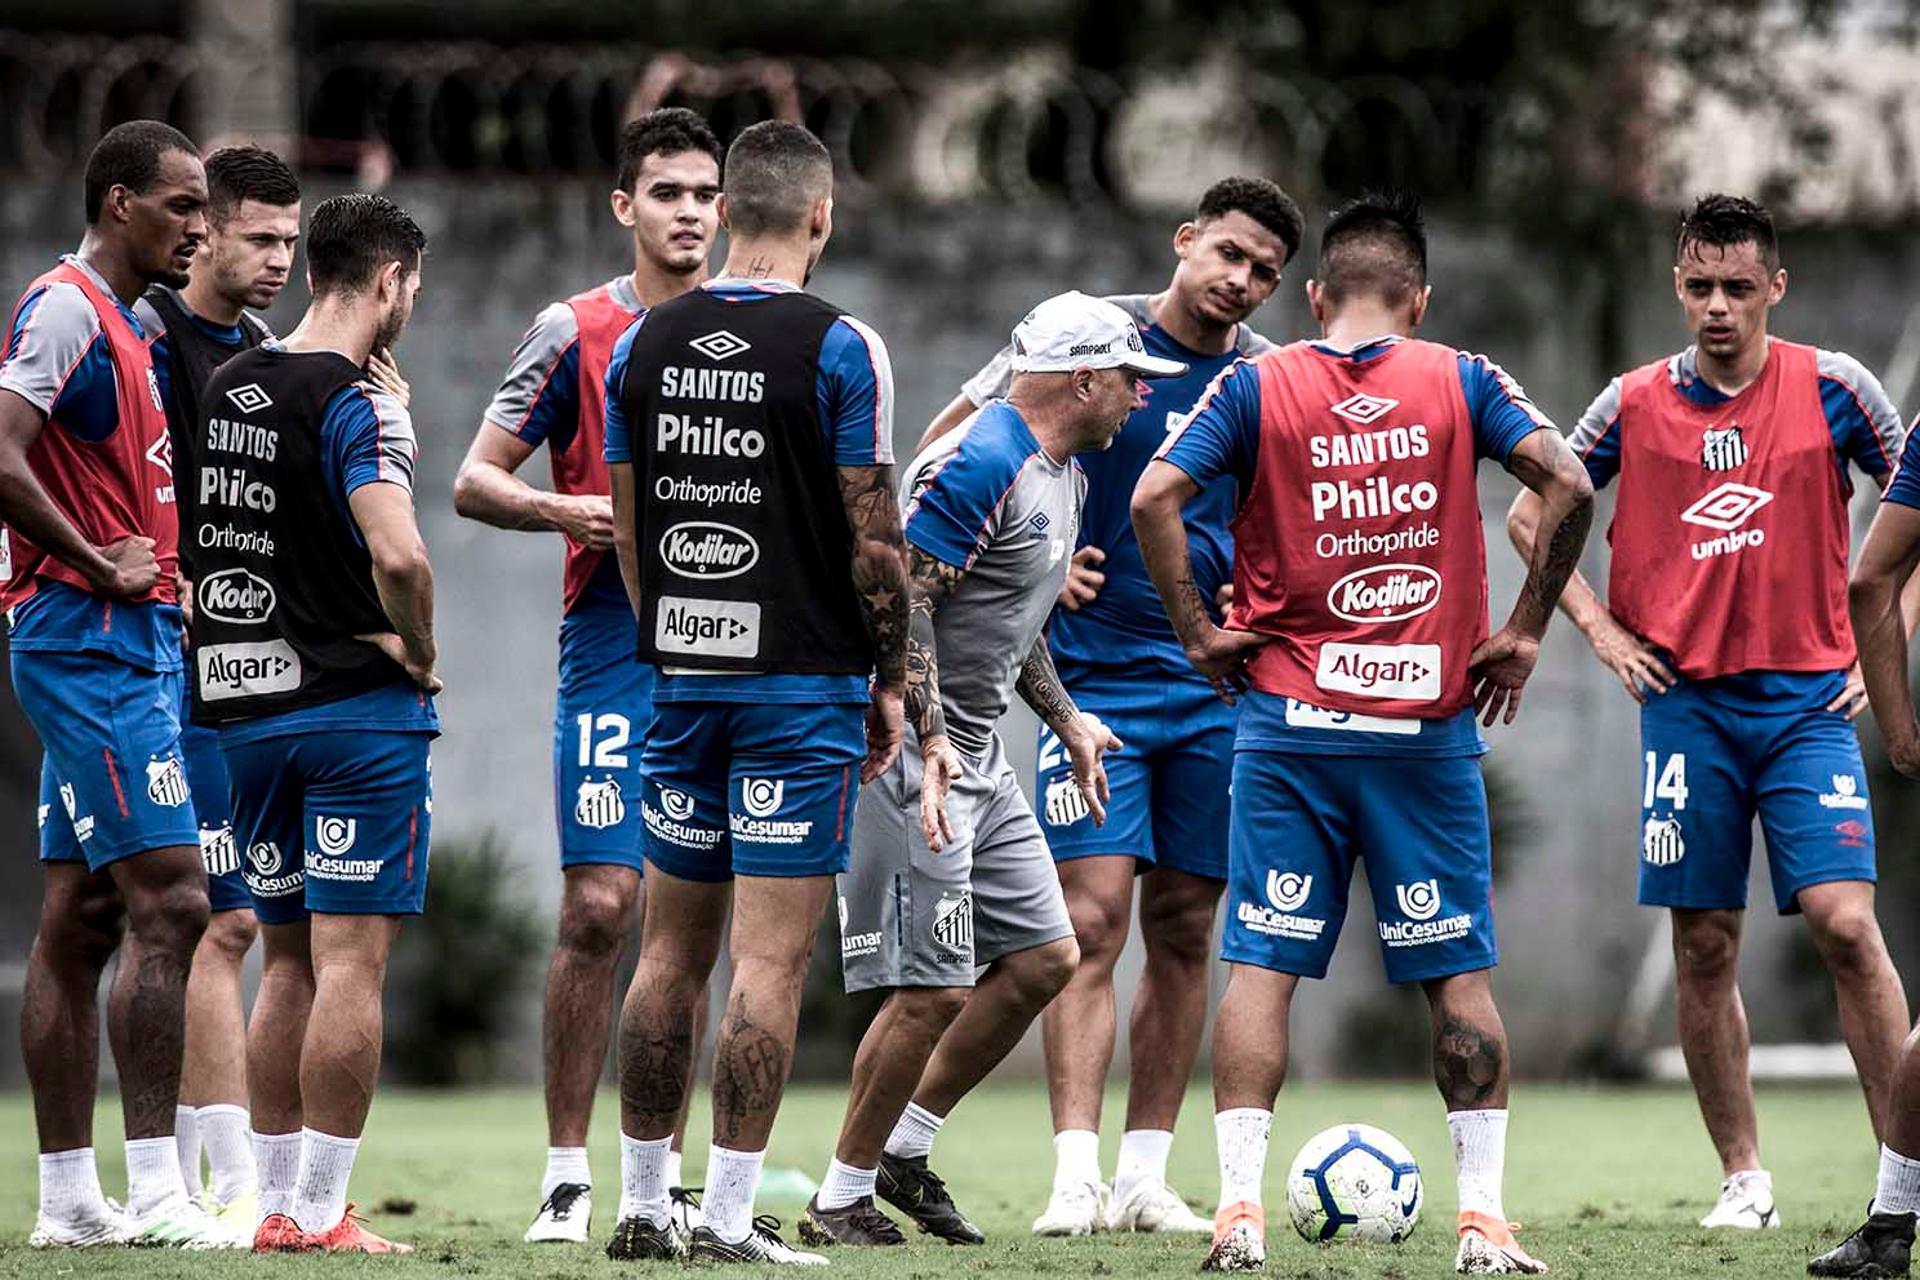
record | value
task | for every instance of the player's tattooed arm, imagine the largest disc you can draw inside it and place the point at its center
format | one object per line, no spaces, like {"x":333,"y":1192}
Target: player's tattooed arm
{"x":1039,"y":686}
{"x":1545,"y":463}
{"x":879,"y":567}
{"x":1082,"y":735}
{"x":931,"y":584}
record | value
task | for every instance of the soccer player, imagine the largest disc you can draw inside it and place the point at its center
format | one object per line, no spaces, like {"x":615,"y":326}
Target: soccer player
{"x":554,"y":392}
{"x":1726,"y":619}
{"x":1883,"y":624}
{"x":1167,"y":822}
{"x":950,"y":869}
{"x":317,"y":667}
{"x":1359,"y":621}
{"x":253,"y":218}
{"x":749,"y":443}
{"x":87,"y":559}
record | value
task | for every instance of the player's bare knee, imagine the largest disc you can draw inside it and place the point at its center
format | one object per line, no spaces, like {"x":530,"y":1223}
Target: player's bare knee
{"x":1849,"y":940}
{"x":1100,"y":930}
{"x":594,"y":919}
{"x":1039,"y":973}
{"x":1706,"y":947}
{"x":931,"y":1010}
{"x":1178,"y":939}
{"x":170,"y":917}
{"x":230,"y":935}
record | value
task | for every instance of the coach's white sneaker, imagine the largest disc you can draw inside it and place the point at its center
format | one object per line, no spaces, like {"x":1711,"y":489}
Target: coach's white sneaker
{"x":181,"y":1223}
{"x":565,"y":1217}
{"x":1077,"y":1209}
{"x":90,"y":1233}
{"x":1746,"y":1202}
{"x":1151,"y":1205}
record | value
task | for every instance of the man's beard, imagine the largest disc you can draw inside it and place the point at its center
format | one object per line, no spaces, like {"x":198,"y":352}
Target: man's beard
{"x":389,"y":331}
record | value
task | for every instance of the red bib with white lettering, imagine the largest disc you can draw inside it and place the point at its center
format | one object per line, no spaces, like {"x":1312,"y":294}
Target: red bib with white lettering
{"x":1730,"y":532}
{"x":582,"y":466}
{"x":1359,"y":546}
{"x":120,"y":487}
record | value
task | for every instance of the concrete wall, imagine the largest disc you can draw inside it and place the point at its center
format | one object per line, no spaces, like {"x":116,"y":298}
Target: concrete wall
{"x":943,"y":287}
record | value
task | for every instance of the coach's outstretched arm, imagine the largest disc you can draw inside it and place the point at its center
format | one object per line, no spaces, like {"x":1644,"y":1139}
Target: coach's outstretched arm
{"x":402,"y":576}
{"x":1218,"y":653}
{"x":880,"y":580}
{"x":123,"y":568}
{"x":1559,"y":484}
{"x":1887,"y":563}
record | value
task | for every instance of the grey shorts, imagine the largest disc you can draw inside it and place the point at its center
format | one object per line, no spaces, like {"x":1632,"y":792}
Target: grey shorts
{"x":910,"y":917}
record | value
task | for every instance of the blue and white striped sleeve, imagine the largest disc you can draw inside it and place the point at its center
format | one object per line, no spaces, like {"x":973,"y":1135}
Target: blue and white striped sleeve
{"x":1904,"y":488}
{"x":539,"y":398}
{"x":1866,"y":427}
{"x":1502,"y":414}
{"x":855,"y":391}
{"x":1596,"y":437}
{"x":1221,"y":437}
{"x":958,"y":491}
{"x":367,"y":438}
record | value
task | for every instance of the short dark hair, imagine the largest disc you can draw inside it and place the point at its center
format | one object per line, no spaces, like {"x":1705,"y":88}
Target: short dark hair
{"x":1724,"y":221}
{"x":236,"y":174}
{"x":668,"y":131}
{"x":1376,"y":245}
{"x":351,"y":237}
{"x":128,"y":155}
{"x":775,"y":172}
{"x":1259,"y":199}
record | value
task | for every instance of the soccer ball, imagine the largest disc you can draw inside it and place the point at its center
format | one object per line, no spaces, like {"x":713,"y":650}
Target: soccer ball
{"x":1354,"y":1182}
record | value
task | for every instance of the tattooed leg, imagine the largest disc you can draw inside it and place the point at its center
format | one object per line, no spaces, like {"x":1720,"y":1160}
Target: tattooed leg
{"x":774,"y":920}
{"x":166,"y":895}
{"x":1469,"y":1042}
{"x":682,"y":924}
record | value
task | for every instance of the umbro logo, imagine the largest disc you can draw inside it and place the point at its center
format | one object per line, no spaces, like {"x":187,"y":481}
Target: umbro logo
{"x":250,"y":398}
{"x":719,"y":345}
{"x":1362,"y":408}
{"x":1728,"y":507}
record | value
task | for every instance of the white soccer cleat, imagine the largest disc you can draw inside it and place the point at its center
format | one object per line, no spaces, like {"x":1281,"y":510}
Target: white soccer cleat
{"x":1077,"y":1209}
{"x":1239,"y":1239}
{"x":1152,"y":1205}
{"x":181,"y":1223}
{"x":92,"y":1233}
{"x":565,"y":1216}
{"x":1746,"y":1203}
{"x":684,"y":1207}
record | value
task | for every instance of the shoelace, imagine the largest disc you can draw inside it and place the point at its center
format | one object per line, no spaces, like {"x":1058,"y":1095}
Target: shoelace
{"x":560,"y":1199}
{"x":687,"y":1196}
{"x":867,"y":1217}
{"x":769,"y":1226}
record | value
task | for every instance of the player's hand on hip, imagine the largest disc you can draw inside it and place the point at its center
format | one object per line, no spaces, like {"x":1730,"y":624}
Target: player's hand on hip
{"x":1221,"y":655}
{"x":1223,"y":598}
{"x":131,"y":568}
{"x":1083,"y":579}
{"x":885,"y":718}
{"x":1500,"y":668}
{"x":1903,"y":748}
{"x":1633,"y":661}
{"x":183,"y":591}
{"x":587,"y":518}
{"x":1086,"y":750}
{"x":383,"y":371}
{"x":940,"y":769}
{"x":394,"y":647}
{"x":1853,"y":698}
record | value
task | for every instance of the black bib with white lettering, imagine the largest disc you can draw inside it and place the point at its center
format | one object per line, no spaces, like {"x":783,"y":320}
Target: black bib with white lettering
{"x":192,"y":356}
{"x":284,"y":585}
{"x":742,"y":534}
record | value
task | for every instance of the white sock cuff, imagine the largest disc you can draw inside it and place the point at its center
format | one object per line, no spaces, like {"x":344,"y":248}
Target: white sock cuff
{"x":219,"y":1109}
{"x":923,"y":1116}
{"x":327,"y":1140}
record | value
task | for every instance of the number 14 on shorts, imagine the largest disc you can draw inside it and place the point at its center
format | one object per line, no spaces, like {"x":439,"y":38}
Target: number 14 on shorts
{"x":1666,"y":782}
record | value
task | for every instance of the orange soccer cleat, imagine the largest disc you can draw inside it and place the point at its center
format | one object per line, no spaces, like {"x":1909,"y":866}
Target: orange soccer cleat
{"x":349,"y":1236}
{"x":1488,"y":1248}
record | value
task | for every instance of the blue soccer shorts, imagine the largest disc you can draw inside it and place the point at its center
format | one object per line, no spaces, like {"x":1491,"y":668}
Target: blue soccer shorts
{"x":600,"y":714}
{"x":333,"y":821}
{"x":113,"y":777}
{"x":1707,"y":769}
{"x":735,"y":788}
{"x":213,"y":808}
{"x":1301,"y":822}
{"x":1169,"y":780}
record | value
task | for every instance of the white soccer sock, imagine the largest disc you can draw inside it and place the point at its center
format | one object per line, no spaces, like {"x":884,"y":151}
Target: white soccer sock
{"x":643,"y":1179}
{"x":732,"y":1179}
{"x":186,"y":1141}
{"x":70,"y":1187}
{"x":153,"y":1173}
{"x":1480,"y":1159}
{"x":674,"y":1169}
{"x":1076,"y":1157}
{"x":223,"y":1132}
{"x":565,"y":1164}
{"x":1241,"y":1136}
{"x":277,"y":1157}
{"x":914,"y":1132}
{"x":1898,"y":1190}
{"x":845,"y":1184}
{"x":1143,"y":1158}
{"x":320,"y":1190}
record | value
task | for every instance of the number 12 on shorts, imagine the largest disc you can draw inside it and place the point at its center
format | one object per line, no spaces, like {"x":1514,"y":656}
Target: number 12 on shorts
{"x":609,"y":750}
{"x":1668,"y":783}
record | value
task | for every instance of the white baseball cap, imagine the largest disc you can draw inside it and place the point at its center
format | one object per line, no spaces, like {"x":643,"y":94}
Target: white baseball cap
{"x":1074,"y":331}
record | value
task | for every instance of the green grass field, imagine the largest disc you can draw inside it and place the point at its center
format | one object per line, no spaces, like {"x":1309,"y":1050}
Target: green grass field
{"x":1608,"y":1183}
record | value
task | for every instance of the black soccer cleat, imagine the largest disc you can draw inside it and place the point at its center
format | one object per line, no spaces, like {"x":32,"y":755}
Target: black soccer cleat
{"x":859,"y":1223}
{"x":637,"y":1240}
{"x":917,"y":1191}
{"x":1881,"y":1247}
{"x":762,"y":1246}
